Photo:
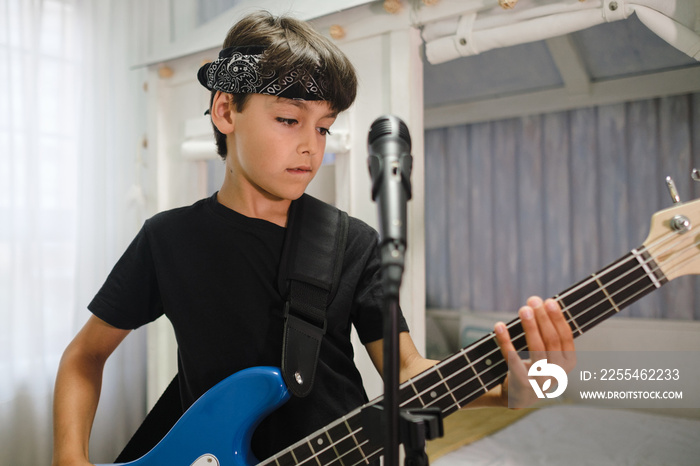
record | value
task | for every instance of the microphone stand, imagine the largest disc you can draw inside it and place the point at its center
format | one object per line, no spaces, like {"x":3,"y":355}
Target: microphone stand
{"x":392,"y":255}
{"x":390,"y":169}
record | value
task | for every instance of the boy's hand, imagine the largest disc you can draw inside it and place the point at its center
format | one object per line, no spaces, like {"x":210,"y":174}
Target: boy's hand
{"x":546,"y":331}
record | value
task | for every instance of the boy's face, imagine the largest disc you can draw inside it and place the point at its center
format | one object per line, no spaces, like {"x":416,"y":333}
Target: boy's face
{"x":277,"y":145}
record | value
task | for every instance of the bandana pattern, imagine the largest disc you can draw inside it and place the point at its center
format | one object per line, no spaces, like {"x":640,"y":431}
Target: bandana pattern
{"x":237,"y":71}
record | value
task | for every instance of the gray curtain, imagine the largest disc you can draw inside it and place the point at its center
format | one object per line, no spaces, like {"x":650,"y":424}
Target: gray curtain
{"x":533,"y":205}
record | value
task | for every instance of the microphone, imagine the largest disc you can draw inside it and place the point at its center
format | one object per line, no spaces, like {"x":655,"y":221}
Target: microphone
{"x":390,"y":163}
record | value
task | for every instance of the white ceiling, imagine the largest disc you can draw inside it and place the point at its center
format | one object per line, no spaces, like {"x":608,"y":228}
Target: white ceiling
{"x":575,"y":69}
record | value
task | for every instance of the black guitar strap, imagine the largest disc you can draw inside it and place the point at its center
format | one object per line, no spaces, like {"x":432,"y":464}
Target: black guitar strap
{"x":312,"y":259}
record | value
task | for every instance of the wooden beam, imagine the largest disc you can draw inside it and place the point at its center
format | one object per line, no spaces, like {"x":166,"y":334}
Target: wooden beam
{"x":570,"y":65}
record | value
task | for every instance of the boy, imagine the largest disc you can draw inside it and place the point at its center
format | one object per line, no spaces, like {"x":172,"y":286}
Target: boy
{"x":211,"y":268}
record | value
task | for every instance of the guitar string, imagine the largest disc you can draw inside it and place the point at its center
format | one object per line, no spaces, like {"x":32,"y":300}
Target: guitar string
{"x":308,"y":440}
{"x":585,"y":282}
{"x":589,"y":324}
{"x":515,"y":322}
{"x":515,"y":338}
{"x":519,"y":336}
{"x":611,"y":267}
{"x":677,"y":265}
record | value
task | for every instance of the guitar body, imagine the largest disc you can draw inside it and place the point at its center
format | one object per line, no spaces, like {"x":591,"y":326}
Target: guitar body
{"x":217,"y":428}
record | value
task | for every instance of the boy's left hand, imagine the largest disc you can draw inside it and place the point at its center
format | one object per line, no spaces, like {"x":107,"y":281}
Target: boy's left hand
{"x":546,"y":330}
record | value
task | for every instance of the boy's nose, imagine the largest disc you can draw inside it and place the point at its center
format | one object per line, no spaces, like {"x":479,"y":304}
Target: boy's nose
{"x":309,"y":142}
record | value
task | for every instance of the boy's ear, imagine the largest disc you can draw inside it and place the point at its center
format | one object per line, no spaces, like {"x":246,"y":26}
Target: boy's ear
{"x":222,"y":114}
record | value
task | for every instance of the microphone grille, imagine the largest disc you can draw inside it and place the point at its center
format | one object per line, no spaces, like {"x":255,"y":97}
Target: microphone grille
{"x":389,"y":125}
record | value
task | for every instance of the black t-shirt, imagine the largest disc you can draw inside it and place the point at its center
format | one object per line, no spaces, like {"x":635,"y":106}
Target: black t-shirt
{"x":213,"y":273}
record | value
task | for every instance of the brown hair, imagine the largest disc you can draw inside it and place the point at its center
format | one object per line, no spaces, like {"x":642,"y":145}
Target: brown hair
{"x":291,"y":44}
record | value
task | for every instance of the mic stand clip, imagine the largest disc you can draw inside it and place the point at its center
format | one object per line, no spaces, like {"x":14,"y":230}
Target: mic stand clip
{"x":415,"y":427}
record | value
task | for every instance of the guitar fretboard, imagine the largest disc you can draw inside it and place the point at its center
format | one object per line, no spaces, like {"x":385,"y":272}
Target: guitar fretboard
{"x":460,"y":379}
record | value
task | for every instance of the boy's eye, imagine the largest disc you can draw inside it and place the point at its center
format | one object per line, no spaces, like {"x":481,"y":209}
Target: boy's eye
{"x":324,"y":131}
{"x":287,"y":121}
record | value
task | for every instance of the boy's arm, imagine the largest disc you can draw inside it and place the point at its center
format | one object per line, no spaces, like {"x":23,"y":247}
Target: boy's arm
{"x":545,"y":330}
{"x":77,"y":390}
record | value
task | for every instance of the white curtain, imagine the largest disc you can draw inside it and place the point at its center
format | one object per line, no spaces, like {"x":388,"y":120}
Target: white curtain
{"x":70,"y":119}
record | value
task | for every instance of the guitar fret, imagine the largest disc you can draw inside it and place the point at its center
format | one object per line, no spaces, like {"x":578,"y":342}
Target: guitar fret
{"x":302,"y":452}
{"x":472,"y":386}
{"x":456,"y":369}
{"x":649,"y":266}
{"x":483,"y":357}
{"x":470,"y":374}
{"x":374,"y":454}
{"x":333,"y":452}
{"x":585,"y":302}
{"x":351,"y":454}
{"x":607,"y":295}
{"x":447,"y":387}
{"x":494,"y":374}
{"x":517,"y":335}
{"x":314,"y":455}
{"x":354,"y":424}
{"x":457,"y":372}
{"x":408,"y":393}
{"x":569,"y":317}
{"x":469,"y":391}
{"x":435,"y":392}
{"x":630,"y":281}
{"x":369,"y":457}
{"x":286,"y":459}
{"x":324,"y":451}
{"x":335,"y":449}
{"x":353,"y":434}
{"x":367,"y":443}
{"x":423,"y":386}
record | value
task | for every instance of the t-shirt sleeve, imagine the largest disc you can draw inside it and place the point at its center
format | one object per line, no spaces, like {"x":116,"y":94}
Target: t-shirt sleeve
{"x":130,"y":297}
{"x":370,"y":294}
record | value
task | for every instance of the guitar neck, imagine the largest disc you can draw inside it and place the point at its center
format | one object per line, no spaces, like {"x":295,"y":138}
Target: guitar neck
{"x":476,"y":369}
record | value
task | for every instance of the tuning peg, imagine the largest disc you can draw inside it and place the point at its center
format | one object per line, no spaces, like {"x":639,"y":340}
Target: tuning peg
{"x":672,"y":190}
{"x":695,"y":174}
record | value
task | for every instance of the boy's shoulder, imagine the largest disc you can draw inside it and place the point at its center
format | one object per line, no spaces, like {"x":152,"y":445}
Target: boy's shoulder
{"x":181,"y":213}
{"x":362,"y":229}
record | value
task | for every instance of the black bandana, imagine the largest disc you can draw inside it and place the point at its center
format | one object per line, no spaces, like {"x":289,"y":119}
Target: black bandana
{"x":237,"y":71}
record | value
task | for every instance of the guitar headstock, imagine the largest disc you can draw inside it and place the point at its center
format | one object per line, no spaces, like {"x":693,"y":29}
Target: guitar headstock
{"x":674,"y":239}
